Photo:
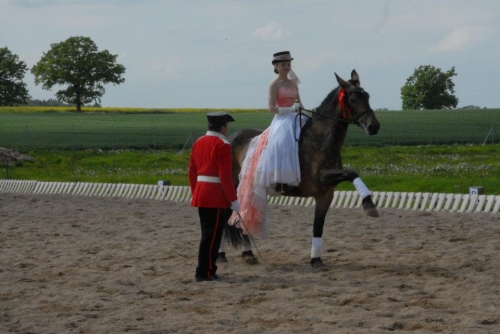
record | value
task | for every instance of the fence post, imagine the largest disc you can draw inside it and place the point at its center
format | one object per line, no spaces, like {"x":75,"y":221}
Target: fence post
{"x":491,"y":132}
{"x":190,"y":139}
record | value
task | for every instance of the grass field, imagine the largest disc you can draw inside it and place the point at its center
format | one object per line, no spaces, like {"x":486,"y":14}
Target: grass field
{"x":163,"y":129}
{"x":77,"y":131}
{"x":430,"y":168}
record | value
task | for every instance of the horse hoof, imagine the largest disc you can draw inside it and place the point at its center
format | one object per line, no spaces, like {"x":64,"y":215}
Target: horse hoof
{"x":369,"y":207}
{"x":221,"y":257}
{"x":249,"y":258}
{"x":372,"y":212}
{"x":317,"y":263}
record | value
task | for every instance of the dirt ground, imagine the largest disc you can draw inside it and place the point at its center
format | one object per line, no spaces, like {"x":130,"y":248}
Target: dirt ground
{"x":75,"y":264}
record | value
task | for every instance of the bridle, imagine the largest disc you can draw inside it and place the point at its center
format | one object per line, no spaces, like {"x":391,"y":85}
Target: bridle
{"x":343,"y":97}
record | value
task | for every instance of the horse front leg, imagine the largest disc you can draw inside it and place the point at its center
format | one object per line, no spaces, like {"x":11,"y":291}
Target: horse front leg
{"x":322,"y":207}
{"x":334,"y":177}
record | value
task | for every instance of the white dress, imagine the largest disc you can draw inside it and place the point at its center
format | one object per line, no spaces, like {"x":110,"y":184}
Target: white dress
{"x":272,"y":157}
{"x":279,"y":161}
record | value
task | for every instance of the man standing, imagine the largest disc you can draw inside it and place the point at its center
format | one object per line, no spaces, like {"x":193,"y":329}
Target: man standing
{"x":213,"y":190}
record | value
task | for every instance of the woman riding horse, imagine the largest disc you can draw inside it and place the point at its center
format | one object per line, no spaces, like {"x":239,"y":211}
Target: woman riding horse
{"x":319,"y":153}
{"x":273,"y":157}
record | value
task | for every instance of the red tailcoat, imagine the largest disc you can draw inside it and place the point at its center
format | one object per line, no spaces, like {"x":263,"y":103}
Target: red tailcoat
{"x":211,"y":156}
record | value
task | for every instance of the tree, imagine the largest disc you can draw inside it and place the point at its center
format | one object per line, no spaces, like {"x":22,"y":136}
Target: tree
{"x":429,"y":88}
{"x":77,"y":63}
{"x":12,"y":88}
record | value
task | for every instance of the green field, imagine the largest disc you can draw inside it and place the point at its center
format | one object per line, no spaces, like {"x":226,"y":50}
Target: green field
{"x":54,"y":130}
{"x":77,"y":131}
{"x":416,"y":151}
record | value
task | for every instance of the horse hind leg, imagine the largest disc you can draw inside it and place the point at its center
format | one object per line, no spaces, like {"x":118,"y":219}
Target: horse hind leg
{"x":236,"y":238}
{"x":247,"y":253}
{"x":221,"y":255}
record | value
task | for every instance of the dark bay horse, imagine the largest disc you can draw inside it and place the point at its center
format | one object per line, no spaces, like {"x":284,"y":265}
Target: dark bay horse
{"x":320,"y":156}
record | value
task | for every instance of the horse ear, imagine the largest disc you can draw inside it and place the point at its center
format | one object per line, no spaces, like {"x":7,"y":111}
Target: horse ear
{"x":355,"y":76}
{"x":344,"y":84}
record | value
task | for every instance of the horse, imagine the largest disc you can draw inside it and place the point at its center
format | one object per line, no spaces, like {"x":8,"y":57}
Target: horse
{"x":320,"y":146}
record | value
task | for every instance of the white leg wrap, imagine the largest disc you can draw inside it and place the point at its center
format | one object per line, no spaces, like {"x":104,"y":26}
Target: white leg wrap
{"x":222,"y":247}
{"x":361,"y":188}
{"x":316,"y":247}
{"x":247,"y":248}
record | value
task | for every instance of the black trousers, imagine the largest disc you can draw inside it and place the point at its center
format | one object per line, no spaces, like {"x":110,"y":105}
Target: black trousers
{"x":212,"y":222}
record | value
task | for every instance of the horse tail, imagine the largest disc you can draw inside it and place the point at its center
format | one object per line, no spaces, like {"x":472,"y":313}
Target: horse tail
{"x":235,"y":237}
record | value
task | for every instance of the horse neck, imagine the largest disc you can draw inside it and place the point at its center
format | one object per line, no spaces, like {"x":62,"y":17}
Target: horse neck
{"x":332,"y":118}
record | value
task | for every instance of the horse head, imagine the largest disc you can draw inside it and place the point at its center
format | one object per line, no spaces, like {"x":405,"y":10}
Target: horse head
{"x":354,"y":105}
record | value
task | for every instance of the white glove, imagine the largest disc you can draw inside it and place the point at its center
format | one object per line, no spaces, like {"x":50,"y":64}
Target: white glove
{"x":286,"y":110}
{"x":235,"y":206}
{"x":296,"y":105}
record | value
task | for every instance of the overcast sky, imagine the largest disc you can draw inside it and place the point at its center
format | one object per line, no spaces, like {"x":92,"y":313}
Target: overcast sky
{"x":217,"y":53}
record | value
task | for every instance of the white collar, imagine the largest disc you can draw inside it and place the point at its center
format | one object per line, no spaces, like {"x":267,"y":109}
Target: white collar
{"x":217,"y":134}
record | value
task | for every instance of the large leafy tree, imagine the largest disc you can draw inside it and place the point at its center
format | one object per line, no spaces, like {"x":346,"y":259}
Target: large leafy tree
{"x":76,"y":62}
{"x":429,"y":88}
{"x":13,"y":90}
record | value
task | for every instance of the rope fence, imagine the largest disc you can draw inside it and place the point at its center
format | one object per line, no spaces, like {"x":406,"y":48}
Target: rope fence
{"x":341,"y":199}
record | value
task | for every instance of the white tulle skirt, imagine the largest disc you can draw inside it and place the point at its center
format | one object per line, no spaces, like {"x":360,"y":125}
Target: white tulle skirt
{"x":272,"y":158}
{"x":279,"y":161}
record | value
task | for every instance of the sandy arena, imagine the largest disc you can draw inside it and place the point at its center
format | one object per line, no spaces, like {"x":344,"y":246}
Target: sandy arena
{"x":75,"y":264}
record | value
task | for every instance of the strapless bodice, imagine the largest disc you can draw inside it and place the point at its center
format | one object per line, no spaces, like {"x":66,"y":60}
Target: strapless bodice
{"x":286,"y":96}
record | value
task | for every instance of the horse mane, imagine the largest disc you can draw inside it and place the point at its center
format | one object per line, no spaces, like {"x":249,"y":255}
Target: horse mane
{"x":328,"y":106}
{"x":330,"y":103}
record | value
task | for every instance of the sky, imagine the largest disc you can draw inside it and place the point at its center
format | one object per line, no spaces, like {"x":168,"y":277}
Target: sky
{"x":217,"y":53}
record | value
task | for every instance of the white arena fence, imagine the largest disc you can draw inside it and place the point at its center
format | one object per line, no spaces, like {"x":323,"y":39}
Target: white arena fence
{"x":342,"y":199}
